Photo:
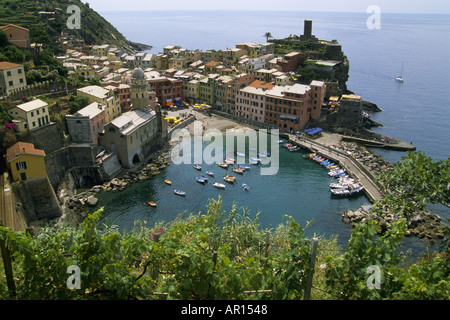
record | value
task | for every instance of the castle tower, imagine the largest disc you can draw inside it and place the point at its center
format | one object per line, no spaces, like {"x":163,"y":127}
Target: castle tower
{"x":139,"y":90}
{"x":307,"y":31}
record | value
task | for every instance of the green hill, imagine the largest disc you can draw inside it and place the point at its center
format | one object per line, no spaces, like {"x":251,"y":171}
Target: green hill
{"x":51,"y":16}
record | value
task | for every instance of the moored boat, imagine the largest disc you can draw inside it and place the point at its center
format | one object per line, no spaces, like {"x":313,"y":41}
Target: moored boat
{"x":210,"y":173}
{"x":168,"y":182}
{"x":200,"y":180}
{"x":238,"y":170}
{"x":152,"y":204}
{"x":197,"y":167}
{"x":179,"y":193}
{"x":245,"y":186}
{"x":219,"y":185}
{"x":223,"y":165}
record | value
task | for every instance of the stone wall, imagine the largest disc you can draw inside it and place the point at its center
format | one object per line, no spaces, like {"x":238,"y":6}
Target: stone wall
{"x":37,"y":200}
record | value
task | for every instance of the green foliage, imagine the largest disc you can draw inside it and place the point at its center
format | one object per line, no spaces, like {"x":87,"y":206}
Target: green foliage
{"x":415,"y":182}
{"x":77,"y":102}
{"x":216,"y":255}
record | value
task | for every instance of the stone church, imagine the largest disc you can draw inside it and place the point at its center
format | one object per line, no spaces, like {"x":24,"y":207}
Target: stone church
{"x":136,"y":134}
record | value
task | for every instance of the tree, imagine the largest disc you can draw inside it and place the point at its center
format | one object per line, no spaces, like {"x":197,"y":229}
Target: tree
{"x":9,"y":139}
{"x":413,"y":183}
{"x":3,"y":39}
{"x":267,"y":35}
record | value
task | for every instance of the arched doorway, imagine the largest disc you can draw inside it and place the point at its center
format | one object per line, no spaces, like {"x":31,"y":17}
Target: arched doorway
{"x":136,"y":159}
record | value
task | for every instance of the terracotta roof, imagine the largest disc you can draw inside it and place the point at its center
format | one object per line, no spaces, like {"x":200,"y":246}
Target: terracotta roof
{"x":261,"y":84}
{"x":212,"y":64}
{"x":22,"y":148}
{"x":12,"y":25}
{"x":8,"y":65}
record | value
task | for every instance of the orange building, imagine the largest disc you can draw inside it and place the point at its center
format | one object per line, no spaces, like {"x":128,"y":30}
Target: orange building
{"x":18,"y":36}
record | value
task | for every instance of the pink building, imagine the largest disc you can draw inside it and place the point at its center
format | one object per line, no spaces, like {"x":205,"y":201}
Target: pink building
{"x":251,"y":100}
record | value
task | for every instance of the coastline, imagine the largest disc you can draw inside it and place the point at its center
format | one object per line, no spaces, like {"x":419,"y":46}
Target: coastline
{"x":359,"y":162}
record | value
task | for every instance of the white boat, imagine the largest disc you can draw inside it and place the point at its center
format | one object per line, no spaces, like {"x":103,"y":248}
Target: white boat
{"x":262,"y":155}
{"x":253,"y":161}
{"x":256,"y":159}
{"x":219,"y":185}
{"x":352,"y":189}
{"x":337,"y":173}
{"x":209,"y":173}
{"x":179,"y":193}
{"x":400,"y":77}
{"x":245,"y":187}
{"x":342,"y":183}
{"x":240,"y":154}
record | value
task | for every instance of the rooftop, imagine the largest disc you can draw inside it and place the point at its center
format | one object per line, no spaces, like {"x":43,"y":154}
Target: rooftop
{"x":22,"y":148}
{"x":8,"y":65}
{"x":32,"y":105}
{"x":91,"y":110}
{"x":131,"y":120}
{"x":95,"y":91}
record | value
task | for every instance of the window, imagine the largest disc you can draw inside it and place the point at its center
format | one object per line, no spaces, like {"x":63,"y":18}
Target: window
{"x":21,"y":80}
{"x":21,"y":165}
{"x":10,"y":83}
{"x":8,"y":73}
{"x":19,"y":71}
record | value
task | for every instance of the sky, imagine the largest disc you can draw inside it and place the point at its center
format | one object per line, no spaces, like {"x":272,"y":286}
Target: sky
{"x":386,"y":6}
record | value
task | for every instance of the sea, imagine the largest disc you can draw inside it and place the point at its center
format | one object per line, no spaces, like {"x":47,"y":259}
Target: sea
{"x":415,"y":111}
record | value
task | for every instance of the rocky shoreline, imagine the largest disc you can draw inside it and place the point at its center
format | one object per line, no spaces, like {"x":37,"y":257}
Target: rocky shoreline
{"x":77,"y":207}
{"x":425,"y":224}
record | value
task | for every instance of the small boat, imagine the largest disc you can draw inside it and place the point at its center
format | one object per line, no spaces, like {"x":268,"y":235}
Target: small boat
{"x":256,"y":159}
{"x":230,"y":161}
{"x":245,"y":187}
{"x":204,"y":177}
{"x":253,"y":161}
{"x":179,"y":193}
{"x":151,"y":203}
{"x":209,"y":173}
{"x":200,"y":180}
{"x":244,"y":167}
{"x":168,"y":182}
{"x":223,"y":165}
{"x":197,"y":167}
{"x":262,"y":155}
{"x":352,"y":189}
{"x":229,"y":178}
{"x":239,"y":170}
{"x":279,"y":141}
{"x":240,"y":154}
{"x":219,"y":185}
{"x":400,"y":77}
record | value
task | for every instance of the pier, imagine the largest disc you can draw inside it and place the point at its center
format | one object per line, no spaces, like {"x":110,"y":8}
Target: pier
{"x":372,"y":188}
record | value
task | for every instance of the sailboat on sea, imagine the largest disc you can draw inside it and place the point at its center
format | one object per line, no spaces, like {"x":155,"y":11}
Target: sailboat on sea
{"x":400,"y":77}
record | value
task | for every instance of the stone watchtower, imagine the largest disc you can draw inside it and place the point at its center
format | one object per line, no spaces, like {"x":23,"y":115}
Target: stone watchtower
{"x":307,"y":31}
{"x":139,"y":90}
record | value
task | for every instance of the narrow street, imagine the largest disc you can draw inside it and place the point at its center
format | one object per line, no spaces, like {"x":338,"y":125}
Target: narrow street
{"x":8,"y":215}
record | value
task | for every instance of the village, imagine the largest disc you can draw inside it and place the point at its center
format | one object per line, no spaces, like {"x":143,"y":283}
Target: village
{"x":121,"y":114}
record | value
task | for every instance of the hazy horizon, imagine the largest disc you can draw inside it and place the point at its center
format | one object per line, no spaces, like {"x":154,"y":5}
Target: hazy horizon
{"x":344,"y":6}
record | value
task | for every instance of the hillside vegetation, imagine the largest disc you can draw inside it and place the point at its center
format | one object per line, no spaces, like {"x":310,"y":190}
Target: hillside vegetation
{"x":47,"y":19}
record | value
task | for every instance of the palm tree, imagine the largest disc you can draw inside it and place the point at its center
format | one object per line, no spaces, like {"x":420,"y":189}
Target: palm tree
{"x":267,"y":35}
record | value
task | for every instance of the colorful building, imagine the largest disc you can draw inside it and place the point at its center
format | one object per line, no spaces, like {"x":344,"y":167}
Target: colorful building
{"x":12,"y":76}
{"x":31,"y":115}
{"x":106,"y":97}
{"x":16,"y":35}
{"x":25,"y":162}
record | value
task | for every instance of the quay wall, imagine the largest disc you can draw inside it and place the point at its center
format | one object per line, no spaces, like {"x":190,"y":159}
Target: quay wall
{"x":372,"y":188}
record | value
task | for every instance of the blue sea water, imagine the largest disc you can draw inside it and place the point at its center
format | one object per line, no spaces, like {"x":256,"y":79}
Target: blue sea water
{"x":415,"y":111}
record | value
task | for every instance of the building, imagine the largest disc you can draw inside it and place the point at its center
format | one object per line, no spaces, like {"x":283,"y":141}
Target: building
{"x":290,"y":108}
{"x":349,"y":113}
{"x":85,"y":125}
{"x":167,"y":90}
{"x":25,"y":162}
{"x":16,"y":35}
{"x":12,"y":76}
{"x":31,"y":115}
{"x":106,"y":97}
{"x":251,"y":100}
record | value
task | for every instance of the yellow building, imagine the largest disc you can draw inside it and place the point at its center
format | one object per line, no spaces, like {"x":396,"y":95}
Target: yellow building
{"x":25,"y":162}
{"x":104,"y":96}
{"x":30,"y":115}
